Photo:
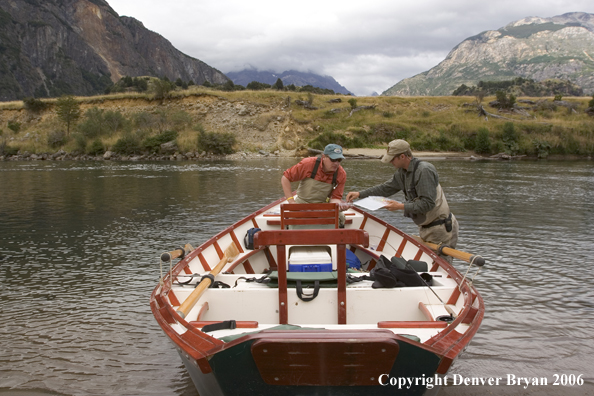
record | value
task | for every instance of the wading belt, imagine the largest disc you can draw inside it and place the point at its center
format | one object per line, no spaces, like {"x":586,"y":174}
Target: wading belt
{"x":315,"y":171}
{"x":440,"y":222}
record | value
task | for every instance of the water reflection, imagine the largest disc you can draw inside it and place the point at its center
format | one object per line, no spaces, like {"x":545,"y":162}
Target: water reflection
{"x":80,"y":244}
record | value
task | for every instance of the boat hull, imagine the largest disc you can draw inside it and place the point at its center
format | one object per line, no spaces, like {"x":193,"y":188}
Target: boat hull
{"x":350,"y":340}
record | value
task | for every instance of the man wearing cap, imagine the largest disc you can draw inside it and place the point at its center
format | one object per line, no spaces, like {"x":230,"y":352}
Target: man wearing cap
{"x":321,"y":179}
{"x":425,"y":202}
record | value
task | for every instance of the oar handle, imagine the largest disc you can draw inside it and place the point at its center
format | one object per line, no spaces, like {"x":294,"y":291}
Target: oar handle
{"x":469,"y":258}
{"x":179,"y":252}
{"x":230,"y":253}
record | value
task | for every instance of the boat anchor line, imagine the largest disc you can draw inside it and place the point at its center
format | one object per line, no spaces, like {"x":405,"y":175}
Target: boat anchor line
{"x":180,"y":252}
{"x":471,"y":281}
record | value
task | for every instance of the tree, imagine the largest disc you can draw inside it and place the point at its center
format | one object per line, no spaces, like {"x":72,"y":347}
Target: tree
{"x":161,"y":88}
{"x":68,"y":110}
{"x":278,"y":85}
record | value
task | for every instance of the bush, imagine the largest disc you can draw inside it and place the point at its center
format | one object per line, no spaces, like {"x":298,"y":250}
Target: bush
{"x":483,"y":143}
{"x":56,"y":139}
{"x":14,"y":126}
{"x":114,"y":120}
{"x":127,"y":144}
{"x":34,"y":105}
{"x":591,"y":103}
{"x":542,"y":148}
{"x":97,"y":148}
{"x":81,"y":142}
{"x":94,"y":123}
{"x":505,"y":102}
{"x":153,"y":143}
{"x":510,"y":138}
{"x":216,"y":143}
{"x":7,"y":150}
{"x":353,"y":103}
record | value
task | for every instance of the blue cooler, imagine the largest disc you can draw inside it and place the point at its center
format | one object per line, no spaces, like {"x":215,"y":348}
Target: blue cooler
{"x":310,"y":259}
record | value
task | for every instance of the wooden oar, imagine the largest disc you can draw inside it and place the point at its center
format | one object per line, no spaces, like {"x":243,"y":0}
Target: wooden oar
{"x":469,"y":258}
{"x":179,"y":252}
{"x":230,"y":253}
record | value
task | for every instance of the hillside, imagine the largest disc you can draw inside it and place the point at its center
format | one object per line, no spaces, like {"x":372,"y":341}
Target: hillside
{"x":561,"y":47}
{"x":299,"y":79}
{"x":55,"y":47}
{"x":136,"y":125}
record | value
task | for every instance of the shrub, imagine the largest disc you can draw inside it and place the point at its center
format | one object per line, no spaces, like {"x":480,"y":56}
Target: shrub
{"x":591,"y":103}
{"x":483,"y":143}
{"x":510,"y":138}
{"x":56,"y":139}
{"x":216,"y":143}
{"x":353,"y":103}
{"x":94,"y":123}
{"x":505,"y":102}
{"x":558,"y":98}
{"x":81,"y":142}
{"x":7,"y":150}
{"x":153,"y":143}
{"x":127,"y":144}
{"x":114,"y":120}
{"x":34,"y":105}
{"x":161,"y":88}
{"x":14,"y":126}
{"x":542,"y":148}
{"x":96,"y":148}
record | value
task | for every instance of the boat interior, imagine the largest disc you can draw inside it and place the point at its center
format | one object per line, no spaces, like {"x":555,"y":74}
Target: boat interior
{"x":290,"y":246}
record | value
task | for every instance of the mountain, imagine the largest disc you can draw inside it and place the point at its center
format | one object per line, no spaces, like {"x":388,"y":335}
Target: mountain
{"x":561,"y":47}
{"x":289,"y":77}
{"x":55,"y":47}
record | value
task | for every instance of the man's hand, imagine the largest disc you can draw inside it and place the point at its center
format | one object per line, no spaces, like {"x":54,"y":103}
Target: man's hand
{"x":352,"y":196}
{"x":393,"y":205}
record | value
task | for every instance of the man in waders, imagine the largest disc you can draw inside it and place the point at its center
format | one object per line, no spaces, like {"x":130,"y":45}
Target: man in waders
{"x":321,"y":179}
{"x":424,"y":203}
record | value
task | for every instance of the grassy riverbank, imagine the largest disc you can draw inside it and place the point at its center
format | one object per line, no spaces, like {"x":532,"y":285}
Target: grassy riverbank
{"x":202,"y":121}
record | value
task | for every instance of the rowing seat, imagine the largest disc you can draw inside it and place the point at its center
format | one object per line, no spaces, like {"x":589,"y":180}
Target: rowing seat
{"x":308,"y":216}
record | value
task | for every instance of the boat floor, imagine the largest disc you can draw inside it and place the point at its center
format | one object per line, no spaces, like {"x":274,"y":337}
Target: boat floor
{"x":258,"y":303}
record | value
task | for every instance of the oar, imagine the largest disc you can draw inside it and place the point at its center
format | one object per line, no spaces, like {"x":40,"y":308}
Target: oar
{"x":469,"y":258}
{"x":179,"y":252}
{"x":230,"y":253}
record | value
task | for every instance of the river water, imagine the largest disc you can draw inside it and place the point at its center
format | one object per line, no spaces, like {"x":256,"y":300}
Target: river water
{"x":80,"y":245}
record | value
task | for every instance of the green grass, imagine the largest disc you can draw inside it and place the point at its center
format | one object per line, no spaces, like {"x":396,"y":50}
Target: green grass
{"x":442,"y":123}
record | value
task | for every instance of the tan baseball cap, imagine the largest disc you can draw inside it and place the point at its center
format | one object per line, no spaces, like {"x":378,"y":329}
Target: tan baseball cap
{"x":395,"y":147}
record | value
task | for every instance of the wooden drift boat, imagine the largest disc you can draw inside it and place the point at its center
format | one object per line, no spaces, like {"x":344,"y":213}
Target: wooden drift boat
{"x":268,"y":333}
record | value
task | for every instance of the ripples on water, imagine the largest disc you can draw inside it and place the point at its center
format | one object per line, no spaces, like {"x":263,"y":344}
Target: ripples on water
{"x":80,"y":244}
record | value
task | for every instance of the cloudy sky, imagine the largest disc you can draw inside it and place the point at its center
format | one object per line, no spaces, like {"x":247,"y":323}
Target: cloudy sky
{"x":367,"y":45}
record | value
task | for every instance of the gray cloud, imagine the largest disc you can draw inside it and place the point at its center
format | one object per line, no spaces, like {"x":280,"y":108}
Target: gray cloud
{"x":366,"y":46}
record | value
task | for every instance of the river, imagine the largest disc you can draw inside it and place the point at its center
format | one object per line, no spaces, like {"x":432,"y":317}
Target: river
{"x":80,"y":245}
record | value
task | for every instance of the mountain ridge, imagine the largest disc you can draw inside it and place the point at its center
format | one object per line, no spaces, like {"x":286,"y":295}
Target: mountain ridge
{"x":79,"y":47}
{"x":560,"y":47}
{"x":288,"y":77}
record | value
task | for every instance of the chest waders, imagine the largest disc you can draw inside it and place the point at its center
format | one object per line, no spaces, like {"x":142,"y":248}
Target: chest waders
{"x":315,"y":191}
{"x":439,"y":215}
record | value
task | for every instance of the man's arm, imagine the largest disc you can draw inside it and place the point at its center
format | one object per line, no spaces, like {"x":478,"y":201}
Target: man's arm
{"x":287,"y":190}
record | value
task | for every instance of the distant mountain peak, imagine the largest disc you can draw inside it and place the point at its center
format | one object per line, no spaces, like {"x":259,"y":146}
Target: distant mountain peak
{"x":246,"y":76}
{"x":560,"y":47}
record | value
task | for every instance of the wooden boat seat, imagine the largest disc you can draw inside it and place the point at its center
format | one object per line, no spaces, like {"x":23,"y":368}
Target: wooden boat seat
{"x":309,"y":215}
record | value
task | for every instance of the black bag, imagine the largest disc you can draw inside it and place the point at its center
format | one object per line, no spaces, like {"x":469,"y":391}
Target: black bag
{"x":248,"y":240}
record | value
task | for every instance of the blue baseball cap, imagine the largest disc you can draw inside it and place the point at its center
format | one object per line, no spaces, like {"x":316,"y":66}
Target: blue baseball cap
{"x":334,"y":151}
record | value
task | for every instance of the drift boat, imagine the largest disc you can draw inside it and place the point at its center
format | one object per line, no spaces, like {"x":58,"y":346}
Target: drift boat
{"x":287,"y":317}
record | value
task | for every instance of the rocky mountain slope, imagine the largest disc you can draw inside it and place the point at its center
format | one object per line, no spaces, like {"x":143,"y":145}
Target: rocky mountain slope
{"x":54,"y":47}
{"x":560,"y":47}
{"x":299,"y":79}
